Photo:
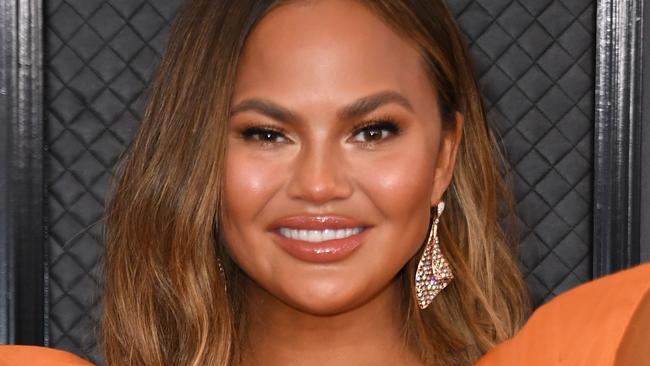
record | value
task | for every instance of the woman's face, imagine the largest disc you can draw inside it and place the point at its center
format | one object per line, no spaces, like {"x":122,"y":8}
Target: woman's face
{"x":336,"y":154}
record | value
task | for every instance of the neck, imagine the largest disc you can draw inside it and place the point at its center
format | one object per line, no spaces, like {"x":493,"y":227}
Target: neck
{"x":370,"y":334}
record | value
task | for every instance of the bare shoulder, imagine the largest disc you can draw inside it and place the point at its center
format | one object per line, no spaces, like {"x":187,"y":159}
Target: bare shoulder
{"x":11,"y":355}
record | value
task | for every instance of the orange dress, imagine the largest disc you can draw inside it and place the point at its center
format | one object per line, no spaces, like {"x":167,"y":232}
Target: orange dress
{"x":605,"y":322}
{"x":38,"y":356}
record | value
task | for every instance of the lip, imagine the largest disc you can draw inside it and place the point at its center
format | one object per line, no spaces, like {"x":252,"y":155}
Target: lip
{"x":319,"y":252}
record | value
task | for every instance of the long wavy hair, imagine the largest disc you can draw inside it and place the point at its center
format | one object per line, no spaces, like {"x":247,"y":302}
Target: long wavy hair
{"x":165,"y":301}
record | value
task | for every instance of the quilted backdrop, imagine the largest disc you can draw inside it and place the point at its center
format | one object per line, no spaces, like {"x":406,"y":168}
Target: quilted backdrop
{"x":534,"y":59}
{"x":99,"y":58}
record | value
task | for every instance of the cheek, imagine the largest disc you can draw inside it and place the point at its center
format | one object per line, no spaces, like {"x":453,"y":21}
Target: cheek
{"x":399,"y":184}
{"x":250,"y":181}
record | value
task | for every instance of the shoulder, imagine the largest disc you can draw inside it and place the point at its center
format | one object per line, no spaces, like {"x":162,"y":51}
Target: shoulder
{"x":603,"y":322}
{"x":38,"y":356}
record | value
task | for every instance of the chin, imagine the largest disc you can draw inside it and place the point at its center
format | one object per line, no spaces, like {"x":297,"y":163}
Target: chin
{"x":325,"y":305}
{"x":328,"y":298}
{"x":321,"y":290}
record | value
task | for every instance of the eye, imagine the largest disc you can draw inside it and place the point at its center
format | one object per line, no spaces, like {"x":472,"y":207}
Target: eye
{"x":376,"y":131}
{"x":263,"y":135}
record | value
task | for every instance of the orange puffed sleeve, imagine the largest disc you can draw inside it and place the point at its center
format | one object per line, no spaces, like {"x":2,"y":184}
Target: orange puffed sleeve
{"x":38,"y":356}
{"x":605,"y":322}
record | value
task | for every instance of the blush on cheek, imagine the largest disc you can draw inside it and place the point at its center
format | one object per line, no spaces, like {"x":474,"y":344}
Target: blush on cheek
{"x":250,"y":183}
{"x":400,"y":183}
{"x":246,"y":175}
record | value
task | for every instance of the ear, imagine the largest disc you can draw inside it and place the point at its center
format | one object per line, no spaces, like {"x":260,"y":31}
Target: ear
{"x":446,"y":159}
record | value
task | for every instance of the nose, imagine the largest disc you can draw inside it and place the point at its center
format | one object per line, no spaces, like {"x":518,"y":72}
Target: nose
{"x":320,"y":174}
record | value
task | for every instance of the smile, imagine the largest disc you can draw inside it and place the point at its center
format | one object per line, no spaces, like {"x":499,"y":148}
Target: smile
{"x":319,"y":235}
{"x":319,"y":239}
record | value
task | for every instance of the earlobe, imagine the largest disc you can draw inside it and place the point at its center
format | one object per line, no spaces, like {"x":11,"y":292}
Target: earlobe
{"x":446,"y":160}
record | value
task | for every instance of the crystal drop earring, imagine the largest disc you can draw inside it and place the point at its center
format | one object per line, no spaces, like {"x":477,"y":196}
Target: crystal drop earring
{"x":433,"y":273}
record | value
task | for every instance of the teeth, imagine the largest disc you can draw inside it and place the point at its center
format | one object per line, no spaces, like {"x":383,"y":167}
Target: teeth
{"x":319,"y":235}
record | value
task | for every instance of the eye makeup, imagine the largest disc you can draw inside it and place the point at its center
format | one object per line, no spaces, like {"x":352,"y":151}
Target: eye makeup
{"x":377,"y":130}
{"x":369,"y":132}
{"x":263,"y":134}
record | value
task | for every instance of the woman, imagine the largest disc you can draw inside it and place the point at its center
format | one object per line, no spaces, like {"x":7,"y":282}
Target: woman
{"x":314,"y":183}
{"x":269,"y":120}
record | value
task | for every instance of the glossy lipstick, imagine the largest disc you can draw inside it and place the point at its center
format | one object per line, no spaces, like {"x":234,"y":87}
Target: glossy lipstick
{"x":306,"y":249}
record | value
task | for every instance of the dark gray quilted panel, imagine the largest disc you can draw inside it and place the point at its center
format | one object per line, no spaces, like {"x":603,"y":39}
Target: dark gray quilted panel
{"x":99,"y":57}
{"x":535,"y":62}
{"x":534,"y":59}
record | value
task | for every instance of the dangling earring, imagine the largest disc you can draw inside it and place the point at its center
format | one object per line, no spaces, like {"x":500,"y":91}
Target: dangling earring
{"x":433,"y":273}
{"x":222,"y":274}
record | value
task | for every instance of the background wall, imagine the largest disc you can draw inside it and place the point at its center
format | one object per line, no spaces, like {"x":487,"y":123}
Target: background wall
{"x":535,"y":62}
{"x":99,"y":58}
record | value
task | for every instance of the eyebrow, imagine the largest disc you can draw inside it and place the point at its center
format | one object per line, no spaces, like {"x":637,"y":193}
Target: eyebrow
{"x":357,"y":108}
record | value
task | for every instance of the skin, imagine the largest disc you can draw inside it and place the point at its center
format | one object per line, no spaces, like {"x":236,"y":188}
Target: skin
{"x":312,"y":59}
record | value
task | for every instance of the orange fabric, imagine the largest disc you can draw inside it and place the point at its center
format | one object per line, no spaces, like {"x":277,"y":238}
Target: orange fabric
{"x":603,"y":323}
{"x":634,"y":348}
{"x":38,"y":356}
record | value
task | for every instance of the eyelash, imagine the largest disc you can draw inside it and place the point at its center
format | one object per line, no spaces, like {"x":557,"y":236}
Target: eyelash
{"x":383,"y":123}
{"x":249,"y":133}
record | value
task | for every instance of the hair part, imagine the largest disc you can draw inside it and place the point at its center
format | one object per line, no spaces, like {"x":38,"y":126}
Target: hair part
{"x":165,"y":301}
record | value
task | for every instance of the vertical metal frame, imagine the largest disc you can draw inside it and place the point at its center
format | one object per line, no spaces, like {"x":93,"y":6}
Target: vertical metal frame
{"x":22,"y":253}
{"x":645,"y":147}
{"x":617,"y":169}
{"x":6,"y":76}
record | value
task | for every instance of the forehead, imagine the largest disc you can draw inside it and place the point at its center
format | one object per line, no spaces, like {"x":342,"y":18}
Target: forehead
{"x":316,"y":46}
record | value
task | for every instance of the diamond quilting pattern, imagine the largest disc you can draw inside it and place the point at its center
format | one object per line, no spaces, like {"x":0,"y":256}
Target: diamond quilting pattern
{"x":534,"y":60}
{"x":536,"y":66}
{"x":100,"y":55}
